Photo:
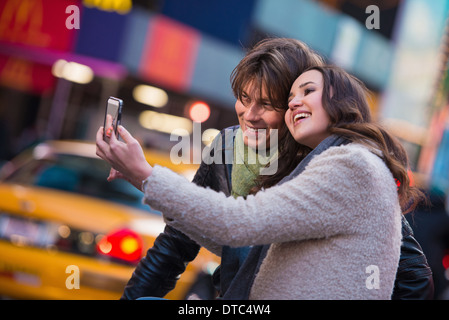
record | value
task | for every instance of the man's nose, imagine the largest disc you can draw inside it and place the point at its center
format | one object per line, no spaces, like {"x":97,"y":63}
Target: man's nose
{"x":253,"y":112}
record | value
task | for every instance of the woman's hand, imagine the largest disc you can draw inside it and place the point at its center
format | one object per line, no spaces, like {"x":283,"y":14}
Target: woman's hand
{"x":126,"y":158}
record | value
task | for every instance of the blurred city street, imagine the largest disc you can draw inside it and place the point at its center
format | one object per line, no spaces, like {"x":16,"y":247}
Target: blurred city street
{"x":66,"y":233}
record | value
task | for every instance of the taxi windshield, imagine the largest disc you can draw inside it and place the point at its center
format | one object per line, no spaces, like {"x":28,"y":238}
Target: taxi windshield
{"x":81,"y":175}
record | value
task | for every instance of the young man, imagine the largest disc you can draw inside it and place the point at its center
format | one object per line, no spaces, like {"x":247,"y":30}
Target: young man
{"x":261,"y":83}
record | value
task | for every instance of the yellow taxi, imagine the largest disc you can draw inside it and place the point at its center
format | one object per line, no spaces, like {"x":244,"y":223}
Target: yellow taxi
{"x":67,"y":233}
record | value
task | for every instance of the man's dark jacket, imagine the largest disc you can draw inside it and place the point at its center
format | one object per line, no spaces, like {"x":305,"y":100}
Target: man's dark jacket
{"x":157,"y":273}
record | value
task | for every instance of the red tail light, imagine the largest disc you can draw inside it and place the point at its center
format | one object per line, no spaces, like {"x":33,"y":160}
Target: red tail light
{"x":446,"y":261}
{"x":123,"y":244}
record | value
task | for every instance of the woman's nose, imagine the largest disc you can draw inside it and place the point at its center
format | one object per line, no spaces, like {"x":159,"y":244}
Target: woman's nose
{"x":295,"y":103}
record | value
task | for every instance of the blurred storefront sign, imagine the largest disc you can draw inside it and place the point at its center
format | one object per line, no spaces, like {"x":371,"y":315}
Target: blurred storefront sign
{"x":348,"y":35}
{"x":363,"y":52}
{"x":170,"y":52}
{"x":434,"y":156}
{"x":36,"y":23}
{"x":25,"y":75}
{"x":167,"y":53}
{"x":337,"y":37}
{"x":373,"y":60}
{"x":49,"y":57}
{"x":27,"y":24}
{"x":33,"y":36}
{"x":137,"y":27}
{"x":408,"y":95}
{"x":120,"y":6}
{"x":416,"y":61}
{"x":101,"y":34}
{"x":225,"y":20}
{"x":439,"y":180}
{"x":213,"y":67}
{"x":304,"y":20}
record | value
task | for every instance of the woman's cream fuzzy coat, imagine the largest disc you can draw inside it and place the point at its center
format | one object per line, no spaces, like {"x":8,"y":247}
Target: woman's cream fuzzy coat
{"x":335,"y":229}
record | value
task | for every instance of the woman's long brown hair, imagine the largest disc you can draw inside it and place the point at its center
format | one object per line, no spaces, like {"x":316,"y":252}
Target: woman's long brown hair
{"x":345,"y":101}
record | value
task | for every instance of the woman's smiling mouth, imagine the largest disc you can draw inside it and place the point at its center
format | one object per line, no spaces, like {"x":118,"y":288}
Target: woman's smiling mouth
{"x":301,"y":116}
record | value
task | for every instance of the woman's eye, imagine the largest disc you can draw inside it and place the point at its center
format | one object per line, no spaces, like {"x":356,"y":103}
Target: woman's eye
{"x":307,"y":91}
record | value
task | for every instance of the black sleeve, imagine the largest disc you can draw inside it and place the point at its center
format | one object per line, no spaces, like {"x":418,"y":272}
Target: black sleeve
{"x":157,"y":273}
{"x":414,"y":279}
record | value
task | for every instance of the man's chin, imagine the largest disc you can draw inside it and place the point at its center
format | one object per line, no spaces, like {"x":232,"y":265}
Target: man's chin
{"x":256,"y":144}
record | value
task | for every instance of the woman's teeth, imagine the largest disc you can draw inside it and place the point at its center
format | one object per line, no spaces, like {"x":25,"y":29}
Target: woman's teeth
{"x":301,"y":115}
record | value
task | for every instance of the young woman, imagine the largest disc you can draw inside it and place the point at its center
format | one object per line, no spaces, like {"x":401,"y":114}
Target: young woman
{"x":334,"y":225}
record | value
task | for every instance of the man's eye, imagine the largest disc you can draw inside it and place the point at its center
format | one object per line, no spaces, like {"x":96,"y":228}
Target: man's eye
{"x":268,"y":106}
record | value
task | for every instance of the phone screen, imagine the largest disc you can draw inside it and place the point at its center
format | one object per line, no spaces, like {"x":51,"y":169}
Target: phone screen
{"x":112,"y":117}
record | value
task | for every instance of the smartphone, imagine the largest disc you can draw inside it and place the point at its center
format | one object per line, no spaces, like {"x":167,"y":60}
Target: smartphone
{"x":112,"y":117}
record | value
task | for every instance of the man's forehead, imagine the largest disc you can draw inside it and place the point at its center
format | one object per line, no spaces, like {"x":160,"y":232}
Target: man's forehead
{"x":255,"y":89}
